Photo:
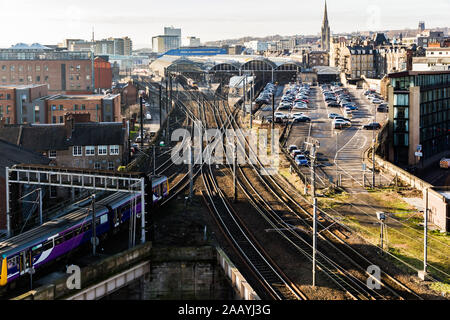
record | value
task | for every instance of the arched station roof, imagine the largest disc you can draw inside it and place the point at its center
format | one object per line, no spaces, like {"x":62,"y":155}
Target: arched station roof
{"x":225,"y":63}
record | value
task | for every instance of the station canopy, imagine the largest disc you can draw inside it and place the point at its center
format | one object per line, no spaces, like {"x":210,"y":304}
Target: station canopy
{"x":225,"y":63}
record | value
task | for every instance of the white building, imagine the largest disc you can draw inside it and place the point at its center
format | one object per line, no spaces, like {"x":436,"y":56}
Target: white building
{"x":437,"y":52}
{"x":193,"y":42}
{"x":257,"y":46}
{"x":431,"y":63}
{"x":164,"y":43}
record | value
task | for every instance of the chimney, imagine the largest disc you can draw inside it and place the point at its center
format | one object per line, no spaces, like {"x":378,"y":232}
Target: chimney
{"x":69,"y":124}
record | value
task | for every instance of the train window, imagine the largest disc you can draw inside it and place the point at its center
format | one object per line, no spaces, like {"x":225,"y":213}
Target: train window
{"x":12,"y":262}
{"x":70,"y":235}
{"x":104,"y":219}
{"x":59,"y":240}
{"x":164,"y":186}
{"x":47,"y":245}
{"x":36,"y":250}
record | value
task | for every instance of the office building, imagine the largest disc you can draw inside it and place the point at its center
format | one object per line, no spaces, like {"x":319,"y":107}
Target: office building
{"x":419,"y":117}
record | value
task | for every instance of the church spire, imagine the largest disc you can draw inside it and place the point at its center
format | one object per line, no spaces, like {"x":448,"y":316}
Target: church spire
{"x":325,"y":15}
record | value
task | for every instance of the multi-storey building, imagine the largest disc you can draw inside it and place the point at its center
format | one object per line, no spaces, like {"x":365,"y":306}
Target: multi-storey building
{"x":23,"y":103}
{"x":392,"y":58}
{"x":419,"y":116}
{"x":318,"y":58}
{"x":62,"y":71}
{"x":357,"y":61}
{"x":99,"y":107}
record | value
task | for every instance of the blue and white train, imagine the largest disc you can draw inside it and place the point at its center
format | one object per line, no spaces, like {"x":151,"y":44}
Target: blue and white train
{"x":42,"y":245}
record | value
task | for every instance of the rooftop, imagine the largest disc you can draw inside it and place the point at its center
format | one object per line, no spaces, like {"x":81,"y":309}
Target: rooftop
{"x":82,"y":97}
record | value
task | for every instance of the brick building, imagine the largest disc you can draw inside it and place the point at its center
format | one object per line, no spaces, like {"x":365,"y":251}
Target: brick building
{"x":75,"y":143}
{"x":23,"y":103}
{"x":101,"y":108}
{"x":62,"y":71}
{"x":129,"y":92}
{"x":103,"y":73}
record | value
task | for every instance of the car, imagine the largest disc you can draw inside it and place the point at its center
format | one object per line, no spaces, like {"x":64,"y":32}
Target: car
{"x":292,"y":148}
{"x":300,"y":106}
{"x":296,"y":114}
{"x":339,"y":124}
{"x":333,"y":104}
{"x":372,"y":126}
{"x":147,"y":105}
{"x":301,"y":160}
{"x":296,"y":153}
{"x":343,"y":118}
{"x":302,"y":119}
{"x":333,"y":115}
{"x":383,"y":108}
{"x":351,"y":107}
{"x":148,"y":116}
{"x":377,"y":101}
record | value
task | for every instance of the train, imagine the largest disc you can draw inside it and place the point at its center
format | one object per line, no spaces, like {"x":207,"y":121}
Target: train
{"x":42,"y":245}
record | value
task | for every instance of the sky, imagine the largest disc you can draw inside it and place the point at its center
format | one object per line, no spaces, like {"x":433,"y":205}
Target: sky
{"x":51,"y":21}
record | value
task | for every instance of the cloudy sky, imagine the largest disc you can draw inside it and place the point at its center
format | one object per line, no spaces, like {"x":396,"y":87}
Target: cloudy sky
{"x":51,"y":21}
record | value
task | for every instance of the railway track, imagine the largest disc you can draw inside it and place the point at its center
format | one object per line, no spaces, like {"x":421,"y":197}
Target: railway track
{"x":355,"y":287}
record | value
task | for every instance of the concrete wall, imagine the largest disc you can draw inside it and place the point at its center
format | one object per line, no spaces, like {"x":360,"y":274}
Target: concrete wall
{"x":91,"y":274}
{"x":186,"y":273}
{"x":437,"y":203}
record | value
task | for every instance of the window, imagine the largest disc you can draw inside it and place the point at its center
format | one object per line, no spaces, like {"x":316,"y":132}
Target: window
{"x":61,"y":119}
{"x":61,"y":107}
{"x":102,"y":150}
{"x":12,"y":68}
{"x":75,"y":107}
{"x":20,"y":68}
{"x":38,"y":78}
{"x":37,"y":116}
{"x":90,"y":151}
{"x":46,"y":68}
{"x":52,"y":154}
{"x":8,"y":108}
{"x":97,"y":165}
{"x":46,"y":78}
{"x":111,"y":166}
{"x":83,"y":107}
{"x":38,"y":68}
{"x":77,"y":151}
{"x":3,"y":67}
{"x":114,"y":150}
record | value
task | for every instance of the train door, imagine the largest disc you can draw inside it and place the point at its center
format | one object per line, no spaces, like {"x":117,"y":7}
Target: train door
{"x":25,"y":261}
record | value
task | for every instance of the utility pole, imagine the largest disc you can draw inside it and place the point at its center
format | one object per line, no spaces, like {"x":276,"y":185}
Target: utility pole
{"x":160,"y":107}
{"x":94,"y":231}
{"x":191,"y":174}
{"x":314,"y":241}
{"x":273,"y":108}
{"x":168,"y":108}
{"x":141,"y":103}
{"x":251,"y":100}
{"x":154,"y":160}
{"x":245,"y":93}
{"x":313,"y":171}
{"x":234,"y":170}
{"x":425,"y":235}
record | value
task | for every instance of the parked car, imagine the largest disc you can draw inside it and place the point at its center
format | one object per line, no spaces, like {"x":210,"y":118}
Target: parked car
{"x":302,"y":119}
{"x":377,"y":101}
{"x":296,"y":153}
{"x":372,"y":126}
{"x":383,"y":107}
{"x":333,"y":115}
{"x":301,"y":160}
{"x":333,"y":105}
{"x":340,"y":124}
{"x":292,"y":148}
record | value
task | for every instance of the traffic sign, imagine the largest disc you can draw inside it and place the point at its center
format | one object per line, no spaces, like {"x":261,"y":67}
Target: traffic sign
{"x":419,"y":148}
{"x":419,"y":154}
